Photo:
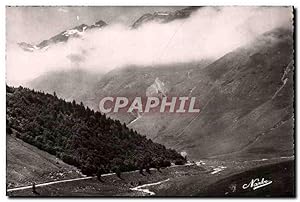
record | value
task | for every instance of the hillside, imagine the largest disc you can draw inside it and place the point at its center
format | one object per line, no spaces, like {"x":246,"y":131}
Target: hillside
{"x":283,"y":182}
{"x":79,"y":136}
{"x":247,"y":104}
{"x":27,"y":164}
{"x":71,"y":84}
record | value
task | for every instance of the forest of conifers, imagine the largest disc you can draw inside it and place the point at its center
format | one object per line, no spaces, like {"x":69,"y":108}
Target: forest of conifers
{"x":80,"y":136}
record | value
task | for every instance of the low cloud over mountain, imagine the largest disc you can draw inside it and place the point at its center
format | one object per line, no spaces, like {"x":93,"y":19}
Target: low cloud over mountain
{"x":207,"y":33}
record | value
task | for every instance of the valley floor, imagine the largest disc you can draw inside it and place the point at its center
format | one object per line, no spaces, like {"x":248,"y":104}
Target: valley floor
{"x":206,"y":178}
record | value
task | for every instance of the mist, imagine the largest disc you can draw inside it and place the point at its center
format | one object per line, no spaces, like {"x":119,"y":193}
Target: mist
{"x":208,"y":33}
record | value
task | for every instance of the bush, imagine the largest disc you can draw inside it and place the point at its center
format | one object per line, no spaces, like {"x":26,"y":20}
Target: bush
{"x":179,"y":162}
{"x":166,"y":163}
{"x":88,"y":170}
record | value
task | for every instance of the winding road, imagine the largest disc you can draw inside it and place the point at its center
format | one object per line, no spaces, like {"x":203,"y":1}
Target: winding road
{"x":77,"y":179}
{"x":214,"y":170}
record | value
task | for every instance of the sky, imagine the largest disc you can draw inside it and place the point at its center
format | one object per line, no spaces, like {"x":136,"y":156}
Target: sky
{"x":34,"y":24}
{"x":209,"y":33}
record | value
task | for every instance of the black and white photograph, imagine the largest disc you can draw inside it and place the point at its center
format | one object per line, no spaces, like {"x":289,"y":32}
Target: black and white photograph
{"x":150,"y":101}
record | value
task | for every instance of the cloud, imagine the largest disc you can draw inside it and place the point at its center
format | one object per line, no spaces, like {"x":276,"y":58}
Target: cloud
{"x":208,"y":33}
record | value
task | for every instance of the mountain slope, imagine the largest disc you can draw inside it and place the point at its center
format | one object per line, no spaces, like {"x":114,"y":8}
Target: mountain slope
{"x":247,"y":104}
{"x":71,"y":85}
{"x":139,"y":81}
{"x":80,"y":136}
{"x":246,"y":101}
{"x":252,"y":93}
{"x":27,"y":164}
{"x":62,"y":37}
{"x":164,"y":17}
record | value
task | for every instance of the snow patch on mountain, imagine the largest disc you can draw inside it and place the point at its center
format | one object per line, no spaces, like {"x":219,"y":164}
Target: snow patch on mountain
{"x":77,"y":31}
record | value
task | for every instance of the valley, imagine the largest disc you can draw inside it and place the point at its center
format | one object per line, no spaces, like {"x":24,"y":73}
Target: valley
{"x":193,"y":179}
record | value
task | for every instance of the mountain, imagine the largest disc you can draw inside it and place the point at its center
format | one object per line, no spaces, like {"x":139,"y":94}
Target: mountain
{"x":78,"y":31}
{"x":246,"y":104}
{"x":62,"y":37}
{"x":164,"y":17}
{"x":79,"y":136}
{"x":27,"y":47}
{"x":89,"y":88}
{"x":246,"y":101}
{"x":75,"y":84}
{"x":132,"y":81}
